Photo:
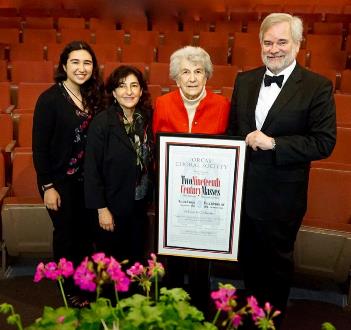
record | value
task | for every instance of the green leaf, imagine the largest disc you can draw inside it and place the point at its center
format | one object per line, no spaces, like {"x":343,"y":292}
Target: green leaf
{"x":328,"y":326}
{"x":5,"y":308}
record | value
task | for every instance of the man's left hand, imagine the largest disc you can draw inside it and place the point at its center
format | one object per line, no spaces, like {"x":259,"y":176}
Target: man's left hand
{"x":257,"y":139}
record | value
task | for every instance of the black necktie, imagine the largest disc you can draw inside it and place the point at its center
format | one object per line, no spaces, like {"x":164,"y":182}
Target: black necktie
{"x":268,"y":80}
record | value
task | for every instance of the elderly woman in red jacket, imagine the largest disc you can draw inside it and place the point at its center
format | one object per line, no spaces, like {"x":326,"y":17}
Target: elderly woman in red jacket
{"x":191,"y":108}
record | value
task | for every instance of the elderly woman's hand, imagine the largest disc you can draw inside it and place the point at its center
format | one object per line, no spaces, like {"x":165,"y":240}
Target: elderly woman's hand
{"x":106,"y":220}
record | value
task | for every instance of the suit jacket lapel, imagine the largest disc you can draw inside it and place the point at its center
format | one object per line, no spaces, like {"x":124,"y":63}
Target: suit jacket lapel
{"x":288,"y":91}
{"x":254,"y":87}
{"x":117,"y":128}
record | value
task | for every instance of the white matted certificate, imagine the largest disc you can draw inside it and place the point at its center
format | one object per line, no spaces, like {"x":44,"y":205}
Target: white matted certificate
{"x":199,"y":195}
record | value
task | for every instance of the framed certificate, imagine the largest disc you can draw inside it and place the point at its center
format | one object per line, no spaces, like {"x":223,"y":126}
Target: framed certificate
{"x":199,"y":195}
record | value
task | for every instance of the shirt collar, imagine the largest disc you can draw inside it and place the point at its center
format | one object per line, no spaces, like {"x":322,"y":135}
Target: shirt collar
{"x":286,"y":72}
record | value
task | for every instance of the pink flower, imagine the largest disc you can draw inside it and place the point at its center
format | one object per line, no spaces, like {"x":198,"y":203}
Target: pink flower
{"x":236,"y":320}
{"x":66,"y":267}
{"x":257,"y":312}
{"x":122,"y":284}
{"x":61,"y":319}
{"x":39,"y":273}
{"x":155,"y":268}
{"x":136,"y":270}
{"x":51,"y":271}
{"x":100,"y":258}
{"x":223,"y":298}
{"x":85,"y":278}
{"x":118,"y":276}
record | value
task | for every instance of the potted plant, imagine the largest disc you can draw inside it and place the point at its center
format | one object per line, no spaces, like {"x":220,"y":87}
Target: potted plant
{"x":155,"y":309}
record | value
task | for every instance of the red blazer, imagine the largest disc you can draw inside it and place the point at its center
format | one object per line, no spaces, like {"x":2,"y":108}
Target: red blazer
{"x":211,"y":116}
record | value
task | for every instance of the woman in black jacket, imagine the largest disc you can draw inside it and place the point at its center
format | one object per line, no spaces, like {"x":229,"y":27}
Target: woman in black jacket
{"x":117,"y":165}
{"x":61,"y":118}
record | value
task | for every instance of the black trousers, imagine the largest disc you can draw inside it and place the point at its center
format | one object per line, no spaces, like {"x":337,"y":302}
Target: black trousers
{"x":198,"y":273}
{"x":128,"y":240}
{"x":266,"y":258}
{"x":73,"y":235}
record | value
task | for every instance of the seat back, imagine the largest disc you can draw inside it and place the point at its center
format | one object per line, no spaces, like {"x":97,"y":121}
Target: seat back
{"x":24,"y":179}
{"x":25,"y":126}
{"x":6,"y":130}
{"x":343,"y":110}
{"x":40,"y":71}
{"x":28,"y":94}
{"x":5,"y":100}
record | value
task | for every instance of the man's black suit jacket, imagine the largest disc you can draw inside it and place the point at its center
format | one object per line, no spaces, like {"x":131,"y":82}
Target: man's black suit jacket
{"x":302,"y":122}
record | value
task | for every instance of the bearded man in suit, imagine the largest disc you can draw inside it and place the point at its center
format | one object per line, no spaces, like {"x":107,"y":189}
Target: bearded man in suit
{"x":287,"y":116}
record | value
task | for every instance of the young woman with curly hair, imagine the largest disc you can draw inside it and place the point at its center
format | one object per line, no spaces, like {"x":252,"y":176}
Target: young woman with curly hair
{"x":61,"y":118}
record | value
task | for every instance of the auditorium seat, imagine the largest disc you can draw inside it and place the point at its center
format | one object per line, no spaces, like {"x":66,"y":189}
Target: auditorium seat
{"x":322,"y":246}
{"x":195,"y":26}
{"x":163,"y":53}
{"x":244,"y":57}
{"x":227,"y":92}
{"x":213,"y":39}
{"x":9,"y":36}
{"x":219,"y":54}
{"x":327,"y":28}
{"x":24,"y":132}
{"x":341,"y":153}
{"x":246,"y":40}
{"x":343,"y":110}
{"x":28,"y":93}
{"x":106,"y":52}
{"x":3,"y":70}
{"x":10,"y":22}
{"x":165,"y":23}
{"x":331,"y":59}
{"x":331,"y":74}
{"x":27,"y":52}
{"x":159,"y":74}
{"x":155,"y":91}
{"x":5,"y":99}
{"x":228,"y":26}
{"x":115,"y":37}
{"x":45,"y":23}
{"x":144,"y":38}
{"x":223,"y":76}
{"x":322,"y":44}
{"x":108,"y":67}
{"x":105,"y":24}
{"x":132,"y":19}
{"x":35,"y":36}
{"x":329,"y":196}
{"x":40,"y":71}
{"x":66,"y":35}
{"x":26,"y":226}
{"x":345,"y":82}
{"x":7,"y":143}
{"x":71,"y":23}
{"x":178,"y":39}
{"x":137,"y":53}
{"x":6,"y":132}
{"x":54,"y":51}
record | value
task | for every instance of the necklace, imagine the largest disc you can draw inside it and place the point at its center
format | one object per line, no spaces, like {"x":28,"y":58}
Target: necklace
{"x":72,"y":93}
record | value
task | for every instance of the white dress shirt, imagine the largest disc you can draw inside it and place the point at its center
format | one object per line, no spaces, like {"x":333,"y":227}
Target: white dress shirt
{"x":268,"y":95}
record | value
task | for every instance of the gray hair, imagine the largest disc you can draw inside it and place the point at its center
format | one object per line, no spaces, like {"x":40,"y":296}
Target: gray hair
{"x":195,"y":55}
{"x":296,"y":26}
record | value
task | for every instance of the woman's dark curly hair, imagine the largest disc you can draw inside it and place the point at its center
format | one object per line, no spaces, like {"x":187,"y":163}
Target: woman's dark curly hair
{"x":93,"y":89}
{"x":118,"y":76}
